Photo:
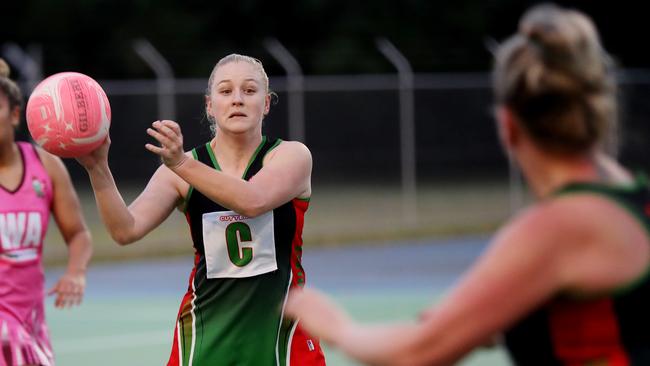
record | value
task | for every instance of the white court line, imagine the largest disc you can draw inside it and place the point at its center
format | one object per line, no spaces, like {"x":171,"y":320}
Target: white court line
{"x":101,"y":343}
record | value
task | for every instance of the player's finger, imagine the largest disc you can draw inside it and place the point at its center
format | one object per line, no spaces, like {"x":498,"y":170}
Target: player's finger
{"x":168,"y":140}
{"x":166,"y":130}
{"x":164,"y":142}
{"x":154,"y":149}
{"x":53,"y":290}
{"x":173,"y":126}
{"x":157,"y":135}
{"x":71,"y":300}
{"x":59,"y":301}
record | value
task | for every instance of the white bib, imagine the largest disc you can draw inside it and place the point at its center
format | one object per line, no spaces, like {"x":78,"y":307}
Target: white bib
{"x":237,"y":246}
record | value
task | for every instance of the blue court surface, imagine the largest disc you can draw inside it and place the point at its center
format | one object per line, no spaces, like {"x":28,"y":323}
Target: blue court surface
{"x":129,"y":311}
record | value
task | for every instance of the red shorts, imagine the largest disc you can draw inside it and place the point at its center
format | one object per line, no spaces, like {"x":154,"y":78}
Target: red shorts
{"x":305,"y":350}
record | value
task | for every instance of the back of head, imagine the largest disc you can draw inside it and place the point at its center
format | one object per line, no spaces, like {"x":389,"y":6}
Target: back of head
{"x":558,"y":80}
{"x":4,"y":69}
{"x":8,"y":87}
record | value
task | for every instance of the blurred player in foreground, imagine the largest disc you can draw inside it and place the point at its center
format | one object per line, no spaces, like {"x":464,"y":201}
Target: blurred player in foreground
{"x":244,"y":196}
{"x":33,"y":183}
{"x":566,"y":279}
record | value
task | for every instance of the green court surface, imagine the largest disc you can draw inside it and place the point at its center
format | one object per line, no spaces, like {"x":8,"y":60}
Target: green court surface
{"x":130,"y":308}
{"x":139,"y":331}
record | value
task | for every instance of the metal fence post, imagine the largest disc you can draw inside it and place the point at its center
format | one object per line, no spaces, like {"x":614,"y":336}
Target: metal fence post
{"x":295,"y":83}
{"x":164,"y":78}
{"x":29,"y":64}
{"x":407,"y":127}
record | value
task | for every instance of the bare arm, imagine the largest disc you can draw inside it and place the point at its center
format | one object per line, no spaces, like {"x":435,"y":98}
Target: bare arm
{"x":127,"y":224}
{"x":286,"y":175}
{"x":67,"y":213}
{"x":566,"y":245}
{"x":517,"y":272}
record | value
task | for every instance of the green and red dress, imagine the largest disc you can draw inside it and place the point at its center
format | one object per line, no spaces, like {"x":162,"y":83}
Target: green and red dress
{"x":612,"y":329}
{"x":233,"y":311}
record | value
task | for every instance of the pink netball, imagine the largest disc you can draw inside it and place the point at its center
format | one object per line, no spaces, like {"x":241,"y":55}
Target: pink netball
{"x":68,"y":114}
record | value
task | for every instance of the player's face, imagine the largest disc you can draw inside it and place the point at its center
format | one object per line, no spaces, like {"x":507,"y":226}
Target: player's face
{"x":9,"y":119}
{"x":238,"y":100}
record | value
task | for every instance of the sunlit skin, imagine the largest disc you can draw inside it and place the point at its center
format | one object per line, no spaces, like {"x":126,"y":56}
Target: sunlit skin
{"x":576,"y":245}
{"x":238,"y":101}
{"x":561,"y":245}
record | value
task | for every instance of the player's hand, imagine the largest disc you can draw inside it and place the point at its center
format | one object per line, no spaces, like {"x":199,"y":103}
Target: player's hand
{"x":97,"y":156}
{"x":69,"y":290}
{"x":317,"y":314}
{"x":169,"y":136}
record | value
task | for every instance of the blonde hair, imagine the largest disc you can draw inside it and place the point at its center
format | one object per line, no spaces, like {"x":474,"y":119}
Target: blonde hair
{"x":4,"y":69}
{"x":8,"y":87}
{"x":556,"y":77}
{"x":234,"y":57}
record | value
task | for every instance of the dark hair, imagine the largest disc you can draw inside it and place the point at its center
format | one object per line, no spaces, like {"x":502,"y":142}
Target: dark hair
{"x":559,"y":81}
{"x":9,"y":88}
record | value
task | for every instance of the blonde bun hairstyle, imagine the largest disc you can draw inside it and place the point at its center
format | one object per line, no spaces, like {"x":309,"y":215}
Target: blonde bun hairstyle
{"x":557,"y":78}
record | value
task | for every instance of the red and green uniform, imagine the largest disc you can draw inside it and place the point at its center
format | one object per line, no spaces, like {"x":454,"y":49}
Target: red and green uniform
{"x":611,"y":330}
{"x":232,"y":313}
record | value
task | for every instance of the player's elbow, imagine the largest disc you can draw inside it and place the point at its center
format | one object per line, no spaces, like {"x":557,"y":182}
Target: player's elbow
{"x":123,"y":238}
{"x":253,"y":206}
{"x":251,"y":210}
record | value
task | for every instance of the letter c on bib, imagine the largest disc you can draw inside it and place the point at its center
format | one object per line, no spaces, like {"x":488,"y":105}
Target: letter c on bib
{"x":237,"y":257}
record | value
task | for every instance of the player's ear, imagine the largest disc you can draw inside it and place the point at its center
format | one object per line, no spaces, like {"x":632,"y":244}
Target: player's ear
{"x":208,"y":106}
{"x":507,"y":127}
{"x":15,"y":117}
{"x":267,"y":103}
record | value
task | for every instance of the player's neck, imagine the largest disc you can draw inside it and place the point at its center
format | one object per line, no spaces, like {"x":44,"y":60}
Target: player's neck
{"x":9,"y":154}
{"x":548,"y":174}
{"x":235,"y":149}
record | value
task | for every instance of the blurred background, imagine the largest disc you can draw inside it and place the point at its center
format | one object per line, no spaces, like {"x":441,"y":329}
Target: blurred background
{"x":392,"y":98}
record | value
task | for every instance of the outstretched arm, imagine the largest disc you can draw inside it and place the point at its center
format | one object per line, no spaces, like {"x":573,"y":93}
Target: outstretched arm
{"x":518,"y":271}
{"x":286,"y":174}
{"x":66,"y":210}
{"x":127,"y":224}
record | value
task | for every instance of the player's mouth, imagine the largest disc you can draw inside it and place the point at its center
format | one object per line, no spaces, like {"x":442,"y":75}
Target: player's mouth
{"x":237,"y":114}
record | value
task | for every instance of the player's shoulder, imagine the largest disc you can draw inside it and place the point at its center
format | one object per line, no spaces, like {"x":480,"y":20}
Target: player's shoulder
{"x":555,"y":212}
{"x":289,"y":149}
{"x":51,"y":162}
{"x":580,"y":208}
{"x":556,"y":220}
